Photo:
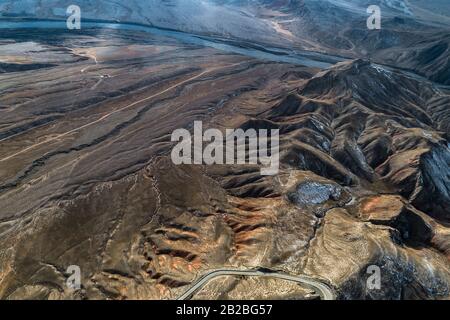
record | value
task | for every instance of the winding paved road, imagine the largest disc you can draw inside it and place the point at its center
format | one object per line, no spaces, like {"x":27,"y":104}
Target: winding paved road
{"x":324,"y":290}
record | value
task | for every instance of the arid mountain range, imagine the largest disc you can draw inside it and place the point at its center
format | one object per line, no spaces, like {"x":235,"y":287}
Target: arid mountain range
{"x":86,"y":176}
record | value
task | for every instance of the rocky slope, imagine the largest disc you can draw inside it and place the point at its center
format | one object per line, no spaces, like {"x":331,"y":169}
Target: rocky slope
{"x":87,"y":180}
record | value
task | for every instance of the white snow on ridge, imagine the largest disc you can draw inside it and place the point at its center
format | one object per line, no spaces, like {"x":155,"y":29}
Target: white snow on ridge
{"x":199,"y":16}
{"x":397,"y":6}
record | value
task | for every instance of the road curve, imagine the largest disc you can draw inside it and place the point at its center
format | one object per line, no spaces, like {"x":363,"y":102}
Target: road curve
{"x":324,"y":290}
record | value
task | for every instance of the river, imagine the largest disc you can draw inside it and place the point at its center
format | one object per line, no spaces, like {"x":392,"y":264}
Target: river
{"x":309,"y":59}
{"x":304,"y":58}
